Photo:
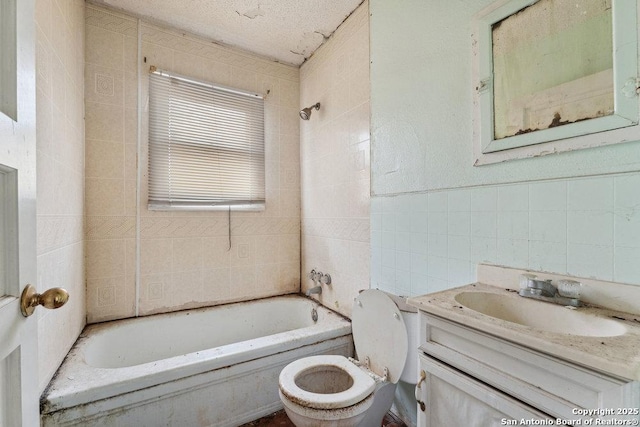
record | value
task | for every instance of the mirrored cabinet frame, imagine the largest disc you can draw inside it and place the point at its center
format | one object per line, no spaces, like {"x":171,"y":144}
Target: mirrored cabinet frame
{"x":621,"y":126}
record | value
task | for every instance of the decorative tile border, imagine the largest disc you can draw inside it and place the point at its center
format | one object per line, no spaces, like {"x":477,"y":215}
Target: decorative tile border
{"x":356,"y":229}
{"x":110,"y":227}
{"x":111,"y":21}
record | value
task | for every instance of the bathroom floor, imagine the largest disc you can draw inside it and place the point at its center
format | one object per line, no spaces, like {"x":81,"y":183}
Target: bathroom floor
{"x":280,"y":419}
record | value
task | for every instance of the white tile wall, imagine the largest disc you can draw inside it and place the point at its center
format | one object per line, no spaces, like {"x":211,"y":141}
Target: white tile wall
{"x":587,"y":227}
{"x":184,"y":260}
{"x":60,"y":175}
{"x":334,"y":148}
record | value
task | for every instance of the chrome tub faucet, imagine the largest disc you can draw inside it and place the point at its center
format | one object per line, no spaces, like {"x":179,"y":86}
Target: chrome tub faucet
{"x":314,"y":290}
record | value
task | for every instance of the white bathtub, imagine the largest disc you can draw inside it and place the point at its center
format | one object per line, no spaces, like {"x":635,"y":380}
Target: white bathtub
{"x":216,"y":366}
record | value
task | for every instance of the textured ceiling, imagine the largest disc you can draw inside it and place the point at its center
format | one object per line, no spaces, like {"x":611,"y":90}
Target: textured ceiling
{"x":288,"y":31}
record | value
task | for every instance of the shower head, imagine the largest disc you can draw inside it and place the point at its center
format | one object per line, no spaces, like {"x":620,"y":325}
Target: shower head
{"x":305,"y":113}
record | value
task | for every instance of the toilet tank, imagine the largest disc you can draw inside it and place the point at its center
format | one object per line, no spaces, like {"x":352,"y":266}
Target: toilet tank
{"x":410,"y":317}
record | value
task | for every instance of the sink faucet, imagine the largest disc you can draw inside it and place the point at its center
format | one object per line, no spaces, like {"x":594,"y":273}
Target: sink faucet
{"x":314,"y":290}
{"x":567,"y":292}
{"x":540,"y":287}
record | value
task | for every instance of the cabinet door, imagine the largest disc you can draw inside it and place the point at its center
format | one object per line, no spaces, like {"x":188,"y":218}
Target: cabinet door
{"x":452,"y":398}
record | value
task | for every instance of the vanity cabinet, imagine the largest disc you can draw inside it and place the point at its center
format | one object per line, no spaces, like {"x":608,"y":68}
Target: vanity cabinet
{"x":474,"y":378}
{"x":453,"y":398}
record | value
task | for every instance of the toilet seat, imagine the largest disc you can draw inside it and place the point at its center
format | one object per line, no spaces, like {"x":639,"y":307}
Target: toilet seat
{"x":379,"y":334}
{"x":338,"y":414}
{"x":363,"y":385}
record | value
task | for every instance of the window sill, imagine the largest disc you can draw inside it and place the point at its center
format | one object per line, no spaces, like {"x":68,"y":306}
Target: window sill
{"x":199,"y":208}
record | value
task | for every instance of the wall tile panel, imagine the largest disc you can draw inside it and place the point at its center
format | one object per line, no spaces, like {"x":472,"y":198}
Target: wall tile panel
{"x":586,"y":227}
{"x":60,"y":175}
{"x":334,"y":160}
{"x":184,"y":257}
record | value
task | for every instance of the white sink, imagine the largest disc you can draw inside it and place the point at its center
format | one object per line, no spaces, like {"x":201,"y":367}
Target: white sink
{"x":540,"y":315}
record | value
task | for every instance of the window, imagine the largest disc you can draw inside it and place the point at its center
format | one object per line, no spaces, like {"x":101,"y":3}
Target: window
{"x":206,"y":145}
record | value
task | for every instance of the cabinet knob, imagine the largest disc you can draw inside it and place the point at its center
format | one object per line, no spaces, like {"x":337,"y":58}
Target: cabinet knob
{"x":418,"y":392}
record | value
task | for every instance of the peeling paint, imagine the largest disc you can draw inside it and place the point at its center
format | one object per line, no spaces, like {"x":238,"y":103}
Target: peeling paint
{"x":324,"y":36}
{"x":309,"y":42}
{"x":557,"y":121}
{"x":252,"y":13}
{"x":268,"y":29}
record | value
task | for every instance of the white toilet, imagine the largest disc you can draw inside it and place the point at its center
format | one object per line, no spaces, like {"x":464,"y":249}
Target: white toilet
{"x":337,"y":391}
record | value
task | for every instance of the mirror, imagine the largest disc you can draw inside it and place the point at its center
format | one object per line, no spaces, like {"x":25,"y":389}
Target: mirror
{"x":549,"y":70}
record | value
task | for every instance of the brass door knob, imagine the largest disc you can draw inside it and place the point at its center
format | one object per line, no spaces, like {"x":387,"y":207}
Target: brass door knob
{"x":51,"y":298}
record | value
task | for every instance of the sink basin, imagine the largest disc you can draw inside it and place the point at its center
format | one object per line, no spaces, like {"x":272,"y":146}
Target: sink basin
{"x":540,"y":315}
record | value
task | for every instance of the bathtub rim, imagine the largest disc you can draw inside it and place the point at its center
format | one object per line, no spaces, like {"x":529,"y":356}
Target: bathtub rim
{"x":99,"y":327}
{"x":75,"y":382}
{"x":88,"y":414}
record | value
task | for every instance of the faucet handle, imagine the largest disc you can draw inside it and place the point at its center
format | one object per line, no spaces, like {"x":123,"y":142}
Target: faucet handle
{"x":524,"y":280}
{"x":569,"y":288}
{"x":325,"y":279}
{"x":312,"y":275}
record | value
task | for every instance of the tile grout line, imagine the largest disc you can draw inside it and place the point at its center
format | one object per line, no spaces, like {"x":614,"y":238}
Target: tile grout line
{"x":138,"y":174}
{"x":613,"y":230}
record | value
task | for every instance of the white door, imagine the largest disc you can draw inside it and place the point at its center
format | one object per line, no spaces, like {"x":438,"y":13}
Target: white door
{"x":18,"y":334}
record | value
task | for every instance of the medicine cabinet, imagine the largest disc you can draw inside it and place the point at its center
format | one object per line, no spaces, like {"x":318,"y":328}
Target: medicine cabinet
{"x":553,"y":70}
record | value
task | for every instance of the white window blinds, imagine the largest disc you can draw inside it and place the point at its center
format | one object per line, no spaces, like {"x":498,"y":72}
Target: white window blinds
{"x":206,"y":145}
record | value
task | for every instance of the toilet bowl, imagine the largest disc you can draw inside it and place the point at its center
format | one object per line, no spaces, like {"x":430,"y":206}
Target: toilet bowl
{"x":336,"y":391}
